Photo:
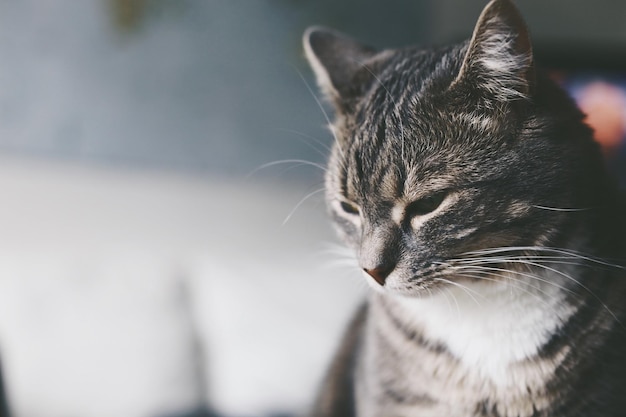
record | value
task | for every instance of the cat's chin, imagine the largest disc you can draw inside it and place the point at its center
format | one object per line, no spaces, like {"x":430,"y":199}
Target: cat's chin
{"x":408,"y":294}
{"x":404,"y":289}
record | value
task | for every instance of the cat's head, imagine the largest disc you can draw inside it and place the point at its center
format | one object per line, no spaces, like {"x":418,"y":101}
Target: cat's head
{"x":441,"y":152}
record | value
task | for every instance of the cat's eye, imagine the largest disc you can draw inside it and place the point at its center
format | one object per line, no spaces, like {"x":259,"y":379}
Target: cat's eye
{"x":349,"y":208}
{"x":426,"y":205}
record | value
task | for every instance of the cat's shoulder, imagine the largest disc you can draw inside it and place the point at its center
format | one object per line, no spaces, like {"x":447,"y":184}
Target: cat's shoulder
{"x":336,"y":397}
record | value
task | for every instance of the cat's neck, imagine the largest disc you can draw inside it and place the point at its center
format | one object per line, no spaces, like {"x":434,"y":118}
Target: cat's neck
{"x":488,"y":328}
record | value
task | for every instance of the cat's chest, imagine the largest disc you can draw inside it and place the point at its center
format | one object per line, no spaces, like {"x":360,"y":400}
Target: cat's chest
{"x":458,"y":356}
{"x":489,"y":336}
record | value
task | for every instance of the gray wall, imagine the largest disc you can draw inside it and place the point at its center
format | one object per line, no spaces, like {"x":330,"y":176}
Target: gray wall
{"x":214,"y":86}
{"x":567,"y":21}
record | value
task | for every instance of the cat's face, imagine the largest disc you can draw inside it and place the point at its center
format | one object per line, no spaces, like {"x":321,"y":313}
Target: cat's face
{"x":441,"y":153}
{"x":410,"y":198}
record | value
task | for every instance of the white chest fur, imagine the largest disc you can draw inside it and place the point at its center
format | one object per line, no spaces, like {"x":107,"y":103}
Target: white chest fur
{"x":491,"y":328}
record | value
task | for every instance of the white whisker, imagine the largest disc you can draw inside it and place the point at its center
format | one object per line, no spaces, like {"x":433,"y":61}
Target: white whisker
{"x":301,"y":136}
{"x":480,"y":276}
{"x":445,"y":295}
{"x":321,"y":107}
{"x":577,"y":282}
{"x":464,"y":288}
{"x":306,"y":197}
{"x":562,"y":209}
{"x":479,"y":262}
{"x":458,"y":308}
{"x":561,"y":251}
{"x":290,"y":161}
{"x":521,"y":274}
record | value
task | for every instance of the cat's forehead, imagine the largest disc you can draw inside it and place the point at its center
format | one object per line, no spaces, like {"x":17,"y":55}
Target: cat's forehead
{"x":408,"y":135}
{"x":387,"y":161}
{"x":414,"y":149}
{"x":419,"y":128}
{"x":411,"y":96}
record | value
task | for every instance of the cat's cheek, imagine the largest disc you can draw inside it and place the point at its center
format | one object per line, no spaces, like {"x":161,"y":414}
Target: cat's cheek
{"x":458,"y":235}
{"x":346,"y":237}
{"x":347,"y":231}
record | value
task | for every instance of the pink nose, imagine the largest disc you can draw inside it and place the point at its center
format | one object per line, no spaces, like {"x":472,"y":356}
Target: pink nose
{"x":380,"y":273}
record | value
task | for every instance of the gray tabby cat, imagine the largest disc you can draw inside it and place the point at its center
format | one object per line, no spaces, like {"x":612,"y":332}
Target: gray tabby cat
{"x":478,"y":206}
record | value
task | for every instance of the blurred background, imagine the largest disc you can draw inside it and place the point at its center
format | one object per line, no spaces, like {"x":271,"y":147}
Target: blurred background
{"x":164,"y":249}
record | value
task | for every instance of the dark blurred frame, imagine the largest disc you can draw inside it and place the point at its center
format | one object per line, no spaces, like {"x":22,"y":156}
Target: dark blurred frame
{"x":575,"y":66}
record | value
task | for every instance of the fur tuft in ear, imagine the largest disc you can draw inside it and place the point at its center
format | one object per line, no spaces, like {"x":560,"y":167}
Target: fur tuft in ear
{"x":499,"y":59}
{"x":335,"y":59}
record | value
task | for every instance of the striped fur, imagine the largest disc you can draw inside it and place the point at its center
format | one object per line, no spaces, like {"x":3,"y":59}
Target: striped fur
{"x":478,"y":206}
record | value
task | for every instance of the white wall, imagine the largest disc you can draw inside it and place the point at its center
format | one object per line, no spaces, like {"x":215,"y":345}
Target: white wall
{"x":134,"y":293}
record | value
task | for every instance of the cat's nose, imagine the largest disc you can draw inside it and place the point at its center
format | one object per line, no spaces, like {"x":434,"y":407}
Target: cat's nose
{"x":380,"y":273}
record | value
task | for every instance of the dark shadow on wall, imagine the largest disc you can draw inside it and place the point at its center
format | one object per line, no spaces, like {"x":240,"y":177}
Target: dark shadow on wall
{"x":4,"y":407}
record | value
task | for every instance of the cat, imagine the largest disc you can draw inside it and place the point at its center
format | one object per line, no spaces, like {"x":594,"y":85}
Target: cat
{"x":480,"y":211}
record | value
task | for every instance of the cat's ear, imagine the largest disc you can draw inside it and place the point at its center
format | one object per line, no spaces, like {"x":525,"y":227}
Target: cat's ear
{"x":499,"y":58}
{"x":335,"y":59}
